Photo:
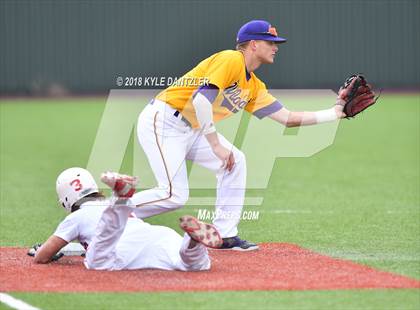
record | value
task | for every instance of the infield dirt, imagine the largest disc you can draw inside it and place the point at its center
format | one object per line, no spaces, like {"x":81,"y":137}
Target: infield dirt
{"x":276,"y":266}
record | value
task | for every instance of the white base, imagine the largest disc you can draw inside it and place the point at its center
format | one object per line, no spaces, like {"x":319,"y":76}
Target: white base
{"x":73,"y":249}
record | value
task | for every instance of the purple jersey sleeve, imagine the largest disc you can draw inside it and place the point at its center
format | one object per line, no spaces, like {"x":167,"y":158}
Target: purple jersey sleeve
{"x":267,"y":110}
{"x":209,"y":91}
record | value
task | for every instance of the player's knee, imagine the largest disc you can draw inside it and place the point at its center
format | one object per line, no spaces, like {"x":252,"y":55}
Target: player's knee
{"x":179,"y":197}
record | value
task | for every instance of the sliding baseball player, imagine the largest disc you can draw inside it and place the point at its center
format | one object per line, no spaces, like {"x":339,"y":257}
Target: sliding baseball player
{"x":113,"y":238}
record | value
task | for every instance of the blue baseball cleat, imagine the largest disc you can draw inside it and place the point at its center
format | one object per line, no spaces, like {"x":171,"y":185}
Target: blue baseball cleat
{"x":237,"y":244}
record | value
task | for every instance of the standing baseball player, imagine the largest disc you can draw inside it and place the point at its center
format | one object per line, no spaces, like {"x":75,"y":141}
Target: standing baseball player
{"x":116,"y":240}
{"x":179,"y":125}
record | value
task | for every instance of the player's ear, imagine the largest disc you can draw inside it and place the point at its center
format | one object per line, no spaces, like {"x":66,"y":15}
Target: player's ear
{"x":253,"y":44}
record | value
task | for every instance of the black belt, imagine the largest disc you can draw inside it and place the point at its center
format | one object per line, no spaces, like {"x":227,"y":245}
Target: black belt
{"x":177,"y":114}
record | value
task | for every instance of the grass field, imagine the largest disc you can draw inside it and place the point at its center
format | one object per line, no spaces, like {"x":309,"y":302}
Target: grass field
{"x":359,"y":199}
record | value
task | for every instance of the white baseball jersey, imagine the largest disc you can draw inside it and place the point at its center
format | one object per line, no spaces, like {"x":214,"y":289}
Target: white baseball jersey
{"x":81,"y":224}
{"x":116,"y":241}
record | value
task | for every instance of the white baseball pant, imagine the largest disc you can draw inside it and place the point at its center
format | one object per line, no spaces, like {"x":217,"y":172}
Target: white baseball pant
{"x":168,"y":142}
{"x":121,"y":242}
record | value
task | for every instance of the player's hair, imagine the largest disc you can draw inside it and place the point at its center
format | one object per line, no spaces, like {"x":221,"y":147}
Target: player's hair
{"x":90,"y":197}
{"x":242,"y":46}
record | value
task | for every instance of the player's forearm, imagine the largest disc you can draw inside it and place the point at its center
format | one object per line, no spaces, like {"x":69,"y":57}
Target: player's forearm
{"x":213,"y":139}
{"x":49,"y":249}
{"x":311,"y":118}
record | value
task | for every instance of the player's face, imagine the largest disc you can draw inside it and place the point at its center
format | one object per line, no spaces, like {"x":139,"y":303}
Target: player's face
{"x":266,"y":51}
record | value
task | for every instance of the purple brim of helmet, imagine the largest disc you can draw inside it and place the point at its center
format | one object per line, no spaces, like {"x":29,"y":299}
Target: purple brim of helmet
{"x":264,"y":37}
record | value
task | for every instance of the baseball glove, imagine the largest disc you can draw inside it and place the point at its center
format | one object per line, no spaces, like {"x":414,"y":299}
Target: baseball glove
{"x":356,"y":95}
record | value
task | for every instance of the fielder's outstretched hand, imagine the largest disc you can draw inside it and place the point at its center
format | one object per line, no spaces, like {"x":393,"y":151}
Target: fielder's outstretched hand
{"x":355,"y":96}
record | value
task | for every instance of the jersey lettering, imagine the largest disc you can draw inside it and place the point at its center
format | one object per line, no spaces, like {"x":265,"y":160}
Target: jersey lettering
{"x":233,"y":100}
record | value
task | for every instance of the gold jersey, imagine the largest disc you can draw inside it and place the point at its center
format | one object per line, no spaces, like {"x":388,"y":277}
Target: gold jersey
{"x":237,"y":89}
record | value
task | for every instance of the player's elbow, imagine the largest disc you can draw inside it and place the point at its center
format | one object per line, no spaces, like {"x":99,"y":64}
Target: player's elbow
{"x":286,"y":118}
{"x":294,"y":120}
{"x":290,"y":124}
{"x":284,"y":121}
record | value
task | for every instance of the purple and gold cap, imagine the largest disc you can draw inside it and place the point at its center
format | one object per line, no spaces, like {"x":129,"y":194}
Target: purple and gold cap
{"x":258,"y":30}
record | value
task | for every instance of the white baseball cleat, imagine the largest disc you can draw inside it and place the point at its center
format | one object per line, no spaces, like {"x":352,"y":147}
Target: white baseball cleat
{"x":124,"y":186}
{"x":201,"y":232}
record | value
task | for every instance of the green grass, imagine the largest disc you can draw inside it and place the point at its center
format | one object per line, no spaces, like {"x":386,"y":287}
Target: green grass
{"x":358,"y":199}
{"x":356,"y":299}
